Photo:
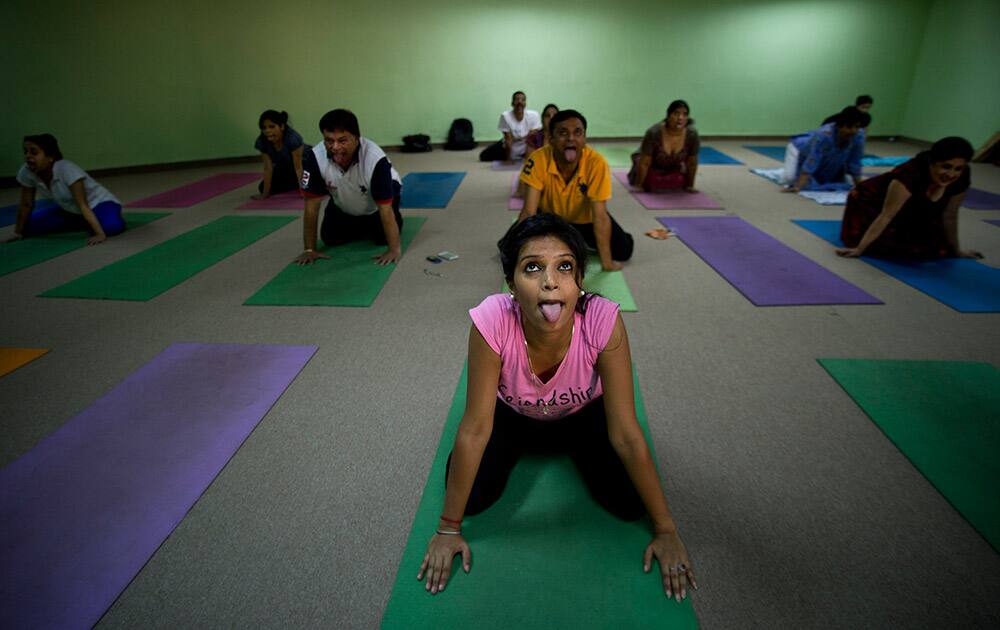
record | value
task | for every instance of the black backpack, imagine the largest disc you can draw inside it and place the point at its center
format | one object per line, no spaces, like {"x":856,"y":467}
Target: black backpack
{"x":460,"y":135}
{"x":417,"y":143}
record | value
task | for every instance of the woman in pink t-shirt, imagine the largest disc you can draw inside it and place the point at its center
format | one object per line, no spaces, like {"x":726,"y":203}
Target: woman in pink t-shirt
{"x":550,"y":365}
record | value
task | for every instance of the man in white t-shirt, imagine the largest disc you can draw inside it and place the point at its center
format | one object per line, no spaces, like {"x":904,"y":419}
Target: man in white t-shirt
{"x":516,"y":124}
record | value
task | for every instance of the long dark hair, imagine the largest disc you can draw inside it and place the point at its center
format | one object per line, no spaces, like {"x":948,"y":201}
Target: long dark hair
{"x":537,"y":226}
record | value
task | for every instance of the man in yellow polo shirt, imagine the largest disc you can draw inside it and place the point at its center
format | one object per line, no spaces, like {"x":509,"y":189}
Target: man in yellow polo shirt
{"x":569,"y":179}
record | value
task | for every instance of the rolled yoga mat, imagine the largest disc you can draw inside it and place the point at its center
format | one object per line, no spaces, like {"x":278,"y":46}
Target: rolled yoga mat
{"x":8,"y":214}
{"x":13,"y":358}
{"x":671,"y":200}
{"x":964,"y":284}
{"x":149,"y":273}
{"x":944,"y":416}
{"x":977,"y":199}
{"x":31,"y":251}
{"x":429,"y":190}
{"x":766,"y":271}
{"x":349,"y":278}
{"x":545,"y":555}
{"x":196,"y":192}
{"x":283,"y":201}
{"x":84,"y":510}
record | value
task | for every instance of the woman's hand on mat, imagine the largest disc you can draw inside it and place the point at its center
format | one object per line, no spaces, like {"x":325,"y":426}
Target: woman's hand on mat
{"x":96,"y":239}
{"x":968,"y":253}
{"x":675,"y":567}
{"x":390,"y":256}
{"x":437,"y":562}
{"x":308,"y":257}
{"x":848,"y":252}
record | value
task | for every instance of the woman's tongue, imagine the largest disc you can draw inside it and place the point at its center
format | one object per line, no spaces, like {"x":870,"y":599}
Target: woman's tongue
{"x":570,"y":154}
{"x":551,"y":311}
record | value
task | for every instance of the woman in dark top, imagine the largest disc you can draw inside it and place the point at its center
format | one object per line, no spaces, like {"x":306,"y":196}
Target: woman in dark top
{"x":281,"y":149}
{"x":911,"y":211}
{"x":668,"y":156}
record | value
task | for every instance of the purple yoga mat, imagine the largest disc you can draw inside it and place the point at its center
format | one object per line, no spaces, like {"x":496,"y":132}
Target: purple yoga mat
{"x":515,"y":203}
{"x":981,"y":200}
{"x":679,"y":200}
{"x":499,"y":165}
{"x":196,"y":192}
{"x":284,"y":201}
{"x":764,"y":270}
{"x":84,"y":510}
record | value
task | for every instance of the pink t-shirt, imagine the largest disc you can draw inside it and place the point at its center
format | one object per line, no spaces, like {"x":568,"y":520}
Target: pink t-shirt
{"x":575,"y":383}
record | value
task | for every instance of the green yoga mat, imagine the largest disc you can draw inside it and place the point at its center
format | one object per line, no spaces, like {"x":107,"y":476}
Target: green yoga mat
{"x":149,"y":273}
{"x":945,"y":417}
{"x":610,"y":284}
{"x":349,"y":278}
{"x":31,"y":251}
{"x":544,"y":556}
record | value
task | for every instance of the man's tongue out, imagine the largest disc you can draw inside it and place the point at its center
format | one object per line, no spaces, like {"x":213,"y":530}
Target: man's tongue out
{"x":551,"y":311}
{"x":570,"y":154}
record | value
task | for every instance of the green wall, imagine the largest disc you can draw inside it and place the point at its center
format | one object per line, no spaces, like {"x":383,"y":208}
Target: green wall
{"x":956,"y":86}
{"x":125,"y":83}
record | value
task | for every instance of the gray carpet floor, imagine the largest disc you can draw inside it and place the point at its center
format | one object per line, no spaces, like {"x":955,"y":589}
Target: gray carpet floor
{"x":797,"y":511}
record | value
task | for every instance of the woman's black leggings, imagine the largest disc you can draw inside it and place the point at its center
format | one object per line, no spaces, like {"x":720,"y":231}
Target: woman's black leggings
{"x":582,"y":435}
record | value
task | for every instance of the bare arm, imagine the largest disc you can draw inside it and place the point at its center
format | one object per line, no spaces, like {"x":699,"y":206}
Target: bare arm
{"x":692,"y":172}
{"x":641,"y":170}
{"x":614,"y":365}
{"x":268,"y":176}
{"x":391,"y":229}
{"x":24,"y":206}
{"x":470,"y":442}
{"x":310,"y":223}
{"x":950,"y":219}
{"x":80,"y":197}
{"x":531,"y":198}
{"x":602,"y":234}
{"x":895,"y":197}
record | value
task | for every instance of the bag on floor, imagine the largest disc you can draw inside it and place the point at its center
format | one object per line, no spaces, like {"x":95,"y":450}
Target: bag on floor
{"x":417,"y":143}
{"x":460,"y":136}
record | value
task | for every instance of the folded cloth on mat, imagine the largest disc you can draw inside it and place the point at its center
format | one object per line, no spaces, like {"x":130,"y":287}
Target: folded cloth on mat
{"x":826,"y":197}
{"x":894,"y":160}
{"x":772,"y":174}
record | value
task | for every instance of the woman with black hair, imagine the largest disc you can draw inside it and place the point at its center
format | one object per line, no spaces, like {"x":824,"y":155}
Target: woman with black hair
{"x":550,"y":365}
{"x":281,"y":149}
{"x":822,"y":159}
{"x":668,"y":155}
{"x":911,"y":211}
{"x":83,"y":204}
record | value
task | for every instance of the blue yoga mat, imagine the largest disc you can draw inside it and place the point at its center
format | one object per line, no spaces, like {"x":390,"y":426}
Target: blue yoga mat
{"x":429,"y":190}
{"x":708,"y":155}
{"x":895,"y":160}
{"x":8,"y":214}
{"x":775,"y":153}
{"x":995,"y":222}
{"x":964,"y":284}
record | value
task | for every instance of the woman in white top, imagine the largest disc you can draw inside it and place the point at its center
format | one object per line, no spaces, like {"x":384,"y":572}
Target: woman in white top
{"x":83,"y":204}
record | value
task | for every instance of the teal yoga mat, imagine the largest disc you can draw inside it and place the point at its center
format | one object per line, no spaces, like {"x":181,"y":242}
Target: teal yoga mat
{"x":349,"y":278}
{"x":149,"y":273}
{"x":544,"y":556}
{"x":429,"y":190}
{"x":944,"y":416}
{"x":31,"y":251}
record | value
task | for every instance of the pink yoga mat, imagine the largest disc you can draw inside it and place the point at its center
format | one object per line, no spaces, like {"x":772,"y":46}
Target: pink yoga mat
{"x":196,"y":192}
{"x":679,"y":200}
{"x":515,"y":203}
{"x":285,"y":201}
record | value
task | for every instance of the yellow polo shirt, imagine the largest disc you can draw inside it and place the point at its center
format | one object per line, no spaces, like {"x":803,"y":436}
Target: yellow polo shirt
{"x":572,"y":200}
